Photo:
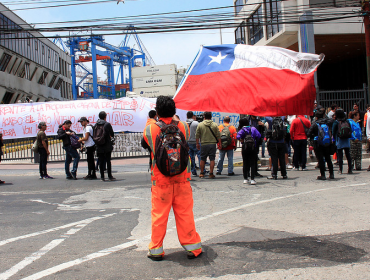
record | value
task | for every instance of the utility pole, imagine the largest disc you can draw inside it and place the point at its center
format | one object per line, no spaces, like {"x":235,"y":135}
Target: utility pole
{"x":220,"y":34}
{"x":366,"y":9}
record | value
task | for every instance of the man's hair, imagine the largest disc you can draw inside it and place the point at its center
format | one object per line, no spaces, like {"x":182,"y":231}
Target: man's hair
{"x":152,"y":113}
{"x":67,"y":122}
{"x":41,"y":124}
{"x":102,"y":115}
{"x":189,"y":114}
{"x":208,"y":115}
{"x":356,"y":104}
{"x":340,"y":115}
{"x":333,"y":106}
{"x":367,"y":105}
{"x":243,"y":122}
{"x":165,"y":106}
{"x":353,"y":114}
{"x":227,"y":119}
{"x":320,"y":113}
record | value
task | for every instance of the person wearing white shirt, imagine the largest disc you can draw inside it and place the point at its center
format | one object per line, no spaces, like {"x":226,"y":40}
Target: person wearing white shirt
{"x":90,"y":147}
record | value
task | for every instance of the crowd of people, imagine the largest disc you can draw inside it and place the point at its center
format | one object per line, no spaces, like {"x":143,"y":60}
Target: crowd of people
{"x":98,"y":138}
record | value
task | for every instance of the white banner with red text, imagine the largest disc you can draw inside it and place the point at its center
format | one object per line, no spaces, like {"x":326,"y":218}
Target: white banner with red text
{"x":125,"y":114}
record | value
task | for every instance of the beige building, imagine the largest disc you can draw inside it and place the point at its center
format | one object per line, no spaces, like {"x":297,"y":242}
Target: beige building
{"x":342,"y":41}
{"x":31,"y":66}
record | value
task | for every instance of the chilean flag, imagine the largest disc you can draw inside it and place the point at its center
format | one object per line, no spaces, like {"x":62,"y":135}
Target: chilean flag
{"x":253,"y":80}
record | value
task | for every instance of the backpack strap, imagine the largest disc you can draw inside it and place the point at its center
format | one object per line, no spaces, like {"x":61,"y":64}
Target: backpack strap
{"x":213,"y":134}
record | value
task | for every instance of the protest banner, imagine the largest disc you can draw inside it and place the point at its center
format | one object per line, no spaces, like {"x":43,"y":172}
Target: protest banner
{"x":125,"y":114}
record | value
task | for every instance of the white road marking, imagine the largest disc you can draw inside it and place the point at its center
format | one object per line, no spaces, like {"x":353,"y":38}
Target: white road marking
{"x":66,"y":206}
{"x":122,"y":246}
{"x":54,"y":243}
{"x":6,"y":241}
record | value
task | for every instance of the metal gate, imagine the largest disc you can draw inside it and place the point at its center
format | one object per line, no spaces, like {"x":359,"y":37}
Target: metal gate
{"x":343,"y":98}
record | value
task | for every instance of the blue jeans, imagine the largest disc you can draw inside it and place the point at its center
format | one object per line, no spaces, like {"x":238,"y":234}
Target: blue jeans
{"x":193,"y":151}
{"x":71,"y":153}
{"x":230,"y":157}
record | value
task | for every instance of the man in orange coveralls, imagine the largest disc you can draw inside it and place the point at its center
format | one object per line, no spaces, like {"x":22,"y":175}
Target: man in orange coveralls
{"x":172,"y":191}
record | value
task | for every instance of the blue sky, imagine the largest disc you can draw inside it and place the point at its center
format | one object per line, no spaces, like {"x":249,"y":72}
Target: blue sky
{"x":166,"y":48}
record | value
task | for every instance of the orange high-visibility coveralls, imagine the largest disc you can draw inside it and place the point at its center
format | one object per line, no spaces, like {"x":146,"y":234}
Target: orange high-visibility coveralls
{"x":170,"y":192}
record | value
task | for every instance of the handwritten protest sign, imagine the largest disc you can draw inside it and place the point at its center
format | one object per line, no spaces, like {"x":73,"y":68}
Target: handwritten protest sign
{"x":125,"y":114}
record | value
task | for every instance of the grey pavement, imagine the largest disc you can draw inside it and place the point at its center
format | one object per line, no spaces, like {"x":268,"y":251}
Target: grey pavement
{"x":298,"y":228}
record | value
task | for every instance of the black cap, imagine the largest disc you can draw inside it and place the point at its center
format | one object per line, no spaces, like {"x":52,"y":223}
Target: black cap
{"x":83,"y":119}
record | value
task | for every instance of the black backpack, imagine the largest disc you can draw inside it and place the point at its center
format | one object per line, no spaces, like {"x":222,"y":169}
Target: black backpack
{"x":171,"y":150}
{"x":279,"y":131}
{"x":99,"y":134}
{"x":249,"y":144}
{"x":344,"y":130}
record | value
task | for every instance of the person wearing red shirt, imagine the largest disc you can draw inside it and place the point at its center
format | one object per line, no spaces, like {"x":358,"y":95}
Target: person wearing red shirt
{"x":229,"y":150}
{"x":298,"y":134}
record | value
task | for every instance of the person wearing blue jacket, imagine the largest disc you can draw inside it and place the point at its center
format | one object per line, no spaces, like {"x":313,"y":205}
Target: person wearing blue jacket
{"x":343,"y":144}
{"x":356,"y":139}
{"x":249,"y":156}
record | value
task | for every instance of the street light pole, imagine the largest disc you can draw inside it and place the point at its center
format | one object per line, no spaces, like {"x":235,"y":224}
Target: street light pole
{"x":366,"y":9}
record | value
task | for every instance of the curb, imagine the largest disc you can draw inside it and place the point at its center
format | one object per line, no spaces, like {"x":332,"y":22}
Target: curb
{"x":265,"y":161}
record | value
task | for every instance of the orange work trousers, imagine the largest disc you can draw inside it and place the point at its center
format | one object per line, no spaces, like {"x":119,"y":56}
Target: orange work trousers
{"x":180,"y":197}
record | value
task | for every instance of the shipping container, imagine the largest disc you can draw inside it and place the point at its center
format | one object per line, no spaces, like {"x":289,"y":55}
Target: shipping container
{"x":158,"y":70}
{"x":156,"y":81}
{"x":155,"y":91}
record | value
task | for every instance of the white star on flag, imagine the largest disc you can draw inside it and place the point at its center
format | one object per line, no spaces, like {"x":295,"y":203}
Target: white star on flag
{"x":217,"y":59}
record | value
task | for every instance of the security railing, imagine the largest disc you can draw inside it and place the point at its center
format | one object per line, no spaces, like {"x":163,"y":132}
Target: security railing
{"x":127,"y":145}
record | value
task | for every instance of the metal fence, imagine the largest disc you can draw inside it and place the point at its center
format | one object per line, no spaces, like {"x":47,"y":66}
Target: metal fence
{"x":343,"y":98}
{"x":127,"y":145}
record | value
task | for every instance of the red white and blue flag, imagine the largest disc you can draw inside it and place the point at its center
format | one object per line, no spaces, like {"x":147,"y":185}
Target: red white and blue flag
{"x":261,"y":81}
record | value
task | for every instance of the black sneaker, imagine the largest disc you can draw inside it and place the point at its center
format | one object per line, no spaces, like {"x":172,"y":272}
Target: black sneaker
{"x":350,"y":172}
{"x":191,"y":255}
{"x":258,"y":175}
{"x":231,"y":174}
{"x":155,"y":257}
{"x":272,"y":177}
{"x":285,"y":177}
{"x":74,"y":176}
{"x":87,"y":177}
{"x":69,"y":178}
{"x":112,"y":179}
{"x":194,"y":174}
{"x":331,"y":176}
{"x":323,"y":178}
{"x":102,"y":179}
{"x":218,"y":173}
{"x":93,"y":177}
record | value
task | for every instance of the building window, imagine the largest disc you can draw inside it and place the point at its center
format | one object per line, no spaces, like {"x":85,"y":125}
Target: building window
{"x":36,"y":45}
{"x":7,"y":97}
{"x":25,"y":72}
{"x":43,"y":50}
{"x":255,"y":27}
{"x":16,"y":70}
{"x":57,"y":86}
{"x":238,"y":6}
{"x":42,"y":79}
{"x":33,"y":73}
{"x":15,"y":61}
{"x":273,"y":17}
{"x":52,"y":81}
{"x":240,"y":34}
{"x":4,"y":61}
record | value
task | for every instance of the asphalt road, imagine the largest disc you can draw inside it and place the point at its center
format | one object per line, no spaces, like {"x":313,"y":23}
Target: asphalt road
{"x":298,"y":228}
